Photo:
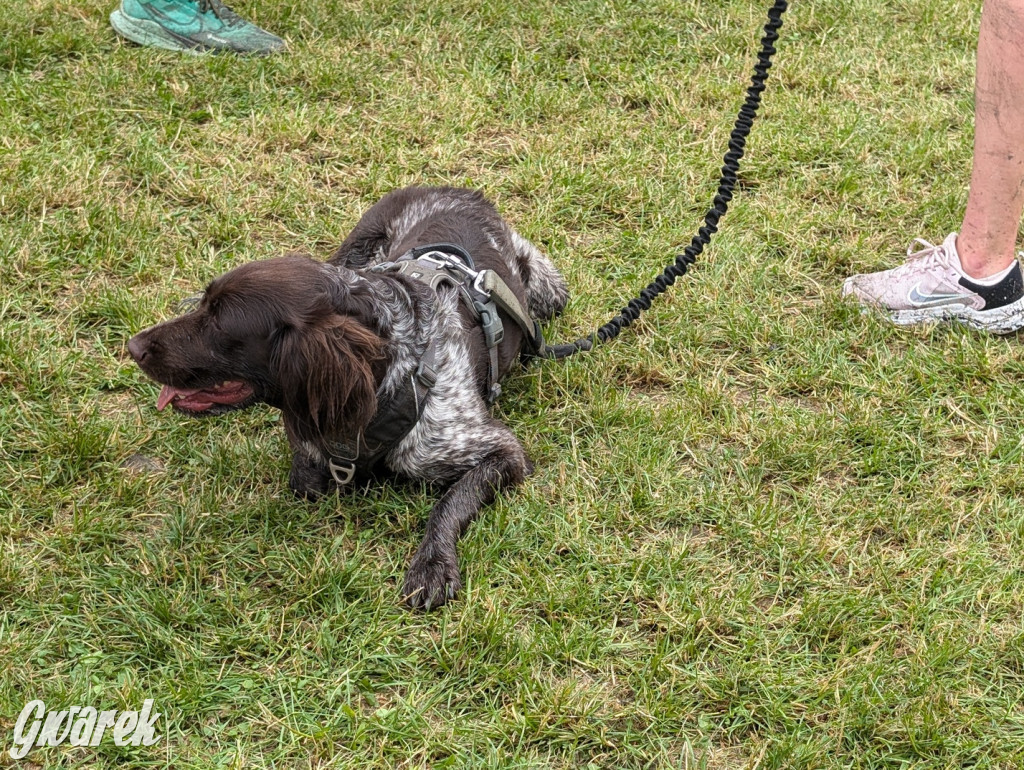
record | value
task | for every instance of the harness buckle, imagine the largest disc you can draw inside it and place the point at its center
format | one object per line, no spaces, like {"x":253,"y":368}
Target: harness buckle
{"x":342,"y":472}
{"x":426,"y":375}
{"x":494,"y":330}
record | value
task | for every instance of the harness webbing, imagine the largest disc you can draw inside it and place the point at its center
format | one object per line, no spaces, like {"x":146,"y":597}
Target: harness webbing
{"x":483,"y":292}
{"x":393,"y":421}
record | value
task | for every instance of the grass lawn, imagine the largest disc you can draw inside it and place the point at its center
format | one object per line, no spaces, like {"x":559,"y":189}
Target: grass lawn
{"x":764,"y":531}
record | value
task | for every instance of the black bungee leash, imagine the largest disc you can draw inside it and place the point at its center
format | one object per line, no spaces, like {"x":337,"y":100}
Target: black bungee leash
{"x":726,"y":185}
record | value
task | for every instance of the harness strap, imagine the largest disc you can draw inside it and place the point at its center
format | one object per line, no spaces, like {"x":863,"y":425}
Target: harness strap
{"x":490,"y":283}
{"x":393,"y":422}
{"x":483,"y":291}
{"x":433,"y":275}
{"x":494,"y":333}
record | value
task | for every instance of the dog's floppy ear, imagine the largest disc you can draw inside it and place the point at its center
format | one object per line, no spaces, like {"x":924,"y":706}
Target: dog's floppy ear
{"x":325,"y":373}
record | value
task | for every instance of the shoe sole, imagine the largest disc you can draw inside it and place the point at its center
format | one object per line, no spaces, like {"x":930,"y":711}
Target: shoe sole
{"x":151,"y":34}
{"x":1003,"y":320}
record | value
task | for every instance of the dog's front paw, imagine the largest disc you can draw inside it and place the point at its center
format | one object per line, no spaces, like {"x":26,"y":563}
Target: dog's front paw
{"x":307,"y":480}
{"x":308,"y":492}
{"x":431,"y":581}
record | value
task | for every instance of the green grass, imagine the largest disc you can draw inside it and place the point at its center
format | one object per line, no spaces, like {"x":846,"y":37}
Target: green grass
{"x":764,"y":531}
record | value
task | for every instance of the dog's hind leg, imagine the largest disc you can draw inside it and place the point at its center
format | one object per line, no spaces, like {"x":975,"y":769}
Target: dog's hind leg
{"x":433,"y":575}
{"x":369,"y":240}
{"x":365,"y":246}
{"x":386,"y":222}
{"x":546,"y":290}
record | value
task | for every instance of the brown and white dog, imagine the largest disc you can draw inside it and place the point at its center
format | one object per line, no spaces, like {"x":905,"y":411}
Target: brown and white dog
{"x":330,"y":343}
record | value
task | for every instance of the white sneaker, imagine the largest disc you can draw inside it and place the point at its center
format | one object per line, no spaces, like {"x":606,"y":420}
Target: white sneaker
{"x":932,"y":286}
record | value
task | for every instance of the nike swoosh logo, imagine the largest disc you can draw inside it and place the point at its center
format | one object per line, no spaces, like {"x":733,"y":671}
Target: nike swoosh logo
{"x":929,"y":300}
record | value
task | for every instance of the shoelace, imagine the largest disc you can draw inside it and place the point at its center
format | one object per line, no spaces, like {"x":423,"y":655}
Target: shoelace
{"x":932,"y":254}
{"x":218,"y":9}
{"x":929,"y":254}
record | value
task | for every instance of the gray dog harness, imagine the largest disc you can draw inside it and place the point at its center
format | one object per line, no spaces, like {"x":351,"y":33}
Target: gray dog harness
{"x":483,"y":292}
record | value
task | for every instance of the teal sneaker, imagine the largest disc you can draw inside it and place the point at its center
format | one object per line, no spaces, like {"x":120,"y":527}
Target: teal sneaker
{"x":191,"y":25}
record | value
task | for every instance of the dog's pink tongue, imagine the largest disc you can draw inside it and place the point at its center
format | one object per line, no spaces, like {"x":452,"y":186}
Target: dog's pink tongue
{"x":168,"y":394}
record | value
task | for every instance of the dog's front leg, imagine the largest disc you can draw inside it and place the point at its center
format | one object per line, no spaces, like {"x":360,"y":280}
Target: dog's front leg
{"x":309,"y":478}
{"x":433,"y":575}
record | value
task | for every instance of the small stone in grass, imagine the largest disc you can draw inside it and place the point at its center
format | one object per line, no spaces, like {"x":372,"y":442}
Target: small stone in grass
{"x":139,"y":463}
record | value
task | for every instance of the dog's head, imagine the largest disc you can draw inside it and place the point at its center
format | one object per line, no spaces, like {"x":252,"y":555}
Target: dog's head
{"x":290,"y":332}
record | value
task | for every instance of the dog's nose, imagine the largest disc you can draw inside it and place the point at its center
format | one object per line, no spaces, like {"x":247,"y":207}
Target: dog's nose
{"x":138,"y":349}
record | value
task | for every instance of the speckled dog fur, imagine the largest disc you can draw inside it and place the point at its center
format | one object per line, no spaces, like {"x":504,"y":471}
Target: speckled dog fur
{"x":343,"y":339}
